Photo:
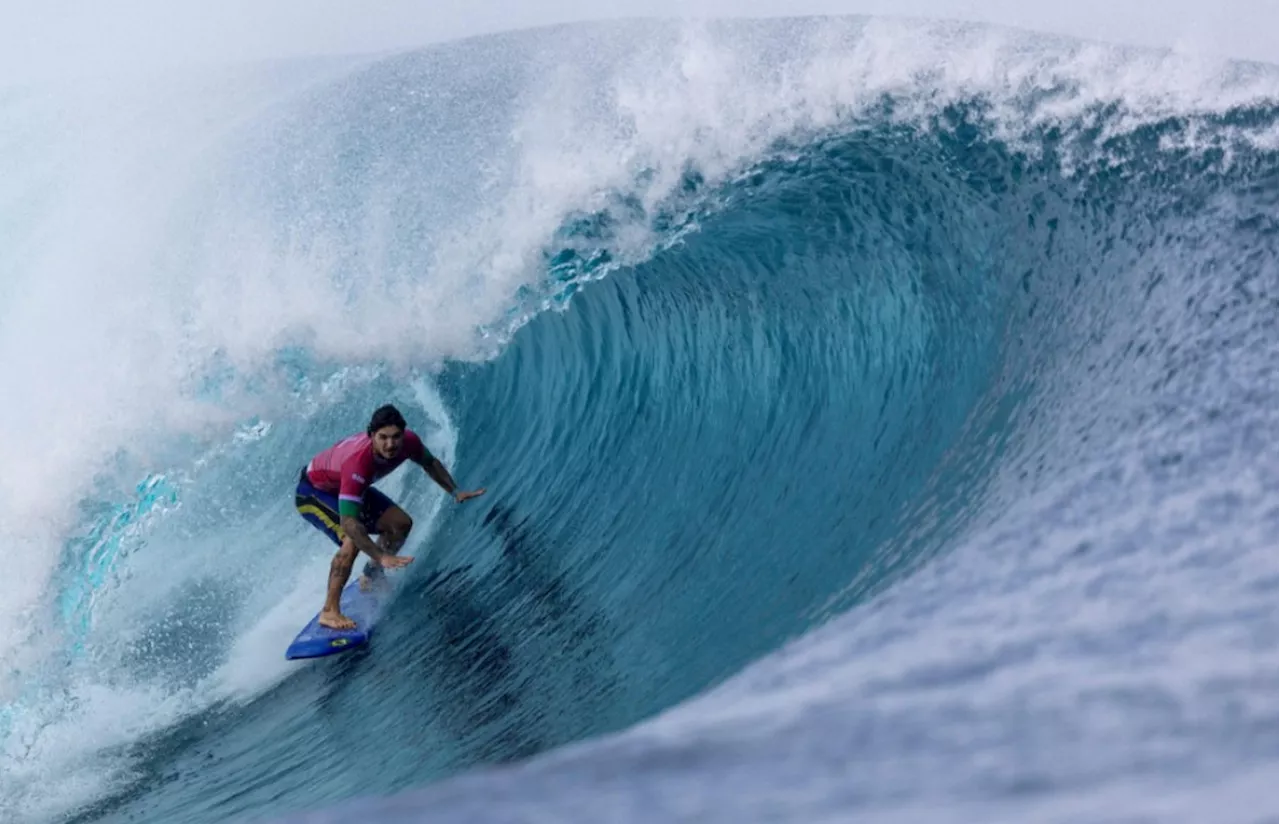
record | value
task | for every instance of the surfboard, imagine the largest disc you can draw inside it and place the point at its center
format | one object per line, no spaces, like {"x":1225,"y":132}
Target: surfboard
{"x":315,"y":641}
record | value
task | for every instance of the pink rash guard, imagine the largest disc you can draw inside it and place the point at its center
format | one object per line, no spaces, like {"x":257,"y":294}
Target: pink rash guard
{"x":350,"y":466}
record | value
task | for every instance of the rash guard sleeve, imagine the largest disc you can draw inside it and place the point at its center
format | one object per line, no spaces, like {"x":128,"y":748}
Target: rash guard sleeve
{"x":354,"y":481}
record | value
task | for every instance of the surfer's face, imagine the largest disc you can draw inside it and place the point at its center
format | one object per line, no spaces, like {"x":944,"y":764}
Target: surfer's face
{"x":386,"y":442}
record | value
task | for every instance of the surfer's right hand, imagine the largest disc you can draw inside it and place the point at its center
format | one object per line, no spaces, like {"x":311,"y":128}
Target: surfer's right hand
{"x":395,"y":561}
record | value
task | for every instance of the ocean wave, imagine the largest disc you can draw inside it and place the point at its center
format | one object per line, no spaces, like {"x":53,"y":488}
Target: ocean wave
{"x":808,"y":347}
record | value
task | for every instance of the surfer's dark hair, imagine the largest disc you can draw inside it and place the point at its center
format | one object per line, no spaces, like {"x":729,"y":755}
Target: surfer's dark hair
{"x":386,"y":415}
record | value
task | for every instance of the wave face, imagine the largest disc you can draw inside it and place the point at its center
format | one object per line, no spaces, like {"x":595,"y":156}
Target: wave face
{"x":879,"y":420}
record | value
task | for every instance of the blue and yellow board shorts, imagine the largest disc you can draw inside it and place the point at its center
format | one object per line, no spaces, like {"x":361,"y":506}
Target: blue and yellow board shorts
{"x":320,"y":508}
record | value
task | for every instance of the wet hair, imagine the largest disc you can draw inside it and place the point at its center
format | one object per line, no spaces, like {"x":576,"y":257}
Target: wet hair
{"x":386,"y":415}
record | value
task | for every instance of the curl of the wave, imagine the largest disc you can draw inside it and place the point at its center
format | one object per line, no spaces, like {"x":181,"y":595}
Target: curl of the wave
{"x":839,"y":298}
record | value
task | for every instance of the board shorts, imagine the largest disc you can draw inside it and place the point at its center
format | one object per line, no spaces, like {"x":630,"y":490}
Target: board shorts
{"x":320,"y":508}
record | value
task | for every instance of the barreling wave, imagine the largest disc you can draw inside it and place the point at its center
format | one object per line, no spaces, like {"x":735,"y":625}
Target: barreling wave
{"x":741,"y":328}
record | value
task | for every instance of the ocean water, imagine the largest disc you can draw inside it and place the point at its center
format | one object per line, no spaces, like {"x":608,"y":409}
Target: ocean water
{"x":879,"y":423}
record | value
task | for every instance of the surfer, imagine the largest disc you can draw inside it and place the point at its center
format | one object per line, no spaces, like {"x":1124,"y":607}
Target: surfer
{"x":336,"y":496}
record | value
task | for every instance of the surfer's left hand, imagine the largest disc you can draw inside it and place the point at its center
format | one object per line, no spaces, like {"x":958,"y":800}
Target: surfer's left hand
{"x":462,"y":496}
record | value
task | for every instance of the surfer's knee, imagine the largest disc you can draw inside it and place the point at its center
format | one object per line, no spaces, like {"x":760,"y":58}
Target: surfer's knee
{"x":398,"y":523}
{"x":346,"y":553}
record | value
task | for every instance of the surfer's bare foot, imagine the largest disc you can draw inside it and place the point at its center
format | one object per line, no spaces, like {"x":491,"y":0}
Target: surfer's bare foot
{"x":369,"y":583}
{"x":335,"y":620}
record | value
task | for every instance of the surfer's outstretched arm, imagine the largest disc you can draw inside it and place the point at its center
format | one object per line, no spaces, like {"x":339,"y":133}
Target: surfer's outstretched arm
{"x":442,"y":477}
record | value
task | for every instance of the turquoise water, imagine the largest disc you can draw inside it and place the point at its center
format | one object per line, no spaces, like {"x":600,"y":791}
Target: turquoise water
{"x":911,"y":431}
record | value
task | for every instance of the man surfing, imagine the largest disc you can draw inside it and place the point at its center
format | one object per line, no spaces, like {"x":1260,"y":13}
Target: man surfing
{"x":336,"y":496}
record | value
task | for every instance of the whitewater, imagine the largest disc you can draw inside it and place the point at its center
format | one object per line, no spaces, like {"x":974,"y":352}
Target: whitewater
{"x":879,"y":421}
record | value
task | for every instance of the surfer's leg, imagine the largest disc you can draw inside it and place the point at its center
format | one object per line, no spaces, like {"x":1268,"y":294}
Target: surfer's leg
{"x":393,"y":529}
{"x":339,"y":573}
{"x":390,"y":523}
{"x":320,"y":509}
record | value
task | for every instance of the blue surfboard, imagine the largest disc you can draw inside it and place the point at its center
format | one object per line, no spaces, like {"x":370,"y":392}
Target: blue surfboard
{"x":364,"y":608}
